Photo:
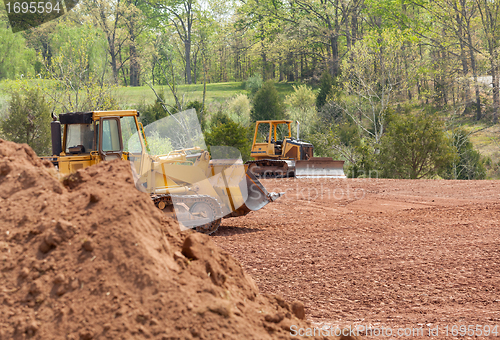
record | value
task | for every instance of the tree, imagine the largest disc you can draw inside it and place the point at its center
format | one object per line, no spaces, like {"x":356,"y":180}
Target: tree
{"x":267,"y":104}
{"x":78,"y":70}
{"x":325,"y":89}
{"x":107,"y":15}
{"x":374,"y":80}
{"x":490,"y":18}
{"x":15,"y":58}
{"x":28,"y":120}
{"x":467,"y":162}
{"x":226,"y":132}
{"x":415,"y":146}
{"x":181,"y":14}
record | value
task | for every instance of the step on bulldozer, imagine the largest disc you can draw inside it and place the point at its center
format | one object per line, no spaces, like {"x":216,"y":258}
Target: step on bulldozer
{"x":277,"y":154}
{"x":168,"y":160}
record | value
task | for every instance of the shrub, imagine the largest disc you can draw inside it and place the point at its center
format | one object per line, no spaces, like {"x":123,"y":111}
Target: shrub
{"x":200,"y":111}
{"x":325,"y":89}
{"x":267,"y":104}
{"x":152,"y":113}
{"x":226,"y":132}
{"x":467,"y":162}
{"x":28,"y":120}
{"x":239,"y":109}
{"x":302,"y":98}
{"x":415,"y":146}
{"x":253,"y":84}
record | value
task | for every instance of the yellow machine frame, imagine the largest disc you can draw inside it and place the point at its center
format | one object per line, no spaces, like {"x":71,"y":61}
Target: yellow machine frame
{"x":270,"y":150}
{"x":70,"y":163}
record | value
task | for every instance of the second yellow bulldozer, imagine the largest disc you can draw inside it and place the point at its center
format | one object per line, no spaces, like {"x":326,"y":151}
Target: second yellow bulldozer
{"x":277,"y":154}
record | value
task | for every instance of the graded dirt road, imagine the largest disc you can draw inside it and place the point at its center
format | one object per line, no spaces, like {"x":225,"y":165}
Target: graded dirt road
{"x":379,"y":252}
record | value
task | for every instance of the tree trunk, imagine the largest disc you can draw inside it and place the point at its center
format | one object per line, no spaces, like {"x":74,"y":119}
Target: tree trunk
{"x":474,"y":72}
{"x":187,"y":52}
{"x":494,"y":79}
{"x":112,"y":53}
{"x":264,"y":63}
{"x":195,"y":60}
{"x":465,"y":66}
{"x":123,"y":70}
{"x":134,"y":63}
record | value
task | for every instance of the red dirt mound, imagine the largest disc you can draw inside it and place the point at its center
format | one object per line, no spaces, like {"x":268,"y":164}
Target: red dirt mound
{"x":92,"y":258}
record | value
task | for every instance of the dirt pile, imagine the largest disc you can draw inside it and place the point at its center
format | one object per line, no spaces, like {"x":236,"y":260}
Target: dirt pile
{"x":92,"y":258}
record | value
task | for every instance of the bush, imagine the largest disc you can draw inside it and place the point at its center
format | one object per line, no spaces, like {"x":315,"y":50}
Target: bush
{"x":28,"y":121}
{"x":200,"y":111}
{"x":239,"y":109}
{"x":325,"y":89}
{"x":267,"y":104}
{"x":302,"y":98}
{"x":300,"y":106}
{"x":154,"y":112}
{"x":331,"y":113}
{"x":415,"y":146}
{"x":253,"y":84}
{"x":226,"y":132}
{"x":467,"y":162}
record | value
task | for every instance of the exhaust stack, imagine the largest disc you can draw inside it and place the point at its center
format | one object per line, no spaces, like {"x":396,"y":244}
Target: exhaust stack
{"x":55,"y":132}
{"x":298,"y":128}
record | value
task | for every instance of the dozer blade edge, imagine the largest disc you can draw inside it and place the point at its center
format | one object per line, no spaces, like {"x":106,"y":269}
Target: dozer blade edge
{"x":319,"y":167}
{"x":257,"y":198}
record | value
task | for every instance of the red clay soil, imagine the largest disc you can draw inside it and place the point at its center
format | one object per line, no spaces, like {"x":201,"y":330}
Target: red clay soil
{"x":92,"y":258}
{"x":377,"y":252}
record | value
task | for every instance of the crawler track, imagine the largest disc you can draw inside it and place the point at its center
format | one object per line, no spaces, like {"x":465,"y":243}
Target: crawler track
{"x":166,"y":204}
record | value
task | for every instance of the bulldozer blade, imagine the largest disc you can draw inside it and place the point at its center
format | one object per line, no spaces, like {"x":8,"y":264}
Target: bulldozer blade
{"x":257,"y":196}
{"x":319,"y":167}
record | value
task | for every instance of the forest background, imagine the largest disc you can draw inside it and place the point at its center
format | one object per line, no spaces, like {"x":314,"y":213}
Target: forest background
{"x":398,"y":89}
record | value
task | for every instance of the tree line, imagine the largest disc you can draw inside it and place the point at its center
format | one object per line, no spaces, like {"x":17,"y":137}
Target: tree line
{"x":443,"y":51}
{"x":371,"y":62}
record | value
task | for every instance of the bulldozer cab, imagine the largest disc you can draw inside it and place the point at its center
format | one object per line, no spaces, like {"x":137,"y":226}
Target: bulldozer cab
{"x":270,"y":137}
{"x":92,"y":137}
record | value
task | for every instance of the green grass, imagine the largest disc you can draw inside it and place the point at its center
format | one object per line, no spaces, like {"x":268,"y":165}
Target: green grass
{"x":487,"y":142}
{"x":133,"y":96}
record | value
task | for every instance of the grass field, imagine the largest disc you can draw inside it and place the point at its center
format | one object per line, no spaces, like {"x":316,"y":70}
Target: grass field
{"x":133,"y":96}
{"x":487,"y":142}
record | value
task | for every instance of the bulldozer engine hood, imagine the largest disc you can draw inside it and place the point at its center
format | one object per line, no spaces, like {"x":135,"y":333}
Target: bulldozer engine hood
{"x":299,"y":143}
{"x":76,"y":118}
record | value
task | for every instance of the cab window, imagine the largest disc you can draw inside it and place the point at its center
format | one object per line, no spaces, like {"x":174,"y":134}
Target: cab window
{"x":130,"y":135}
{"x":80,"y":135}
{"x":110,"y":135}
{"x":263,"y":133}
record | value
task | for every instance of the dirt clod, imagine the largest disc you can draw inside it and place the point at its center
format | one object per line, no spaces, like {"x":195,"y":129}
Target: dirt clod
{"x":24,"y":273}
{"x":298,"y":310}
{"x":275,"y":318}
{"x":88,"y":245}
{"x":59,"y":278}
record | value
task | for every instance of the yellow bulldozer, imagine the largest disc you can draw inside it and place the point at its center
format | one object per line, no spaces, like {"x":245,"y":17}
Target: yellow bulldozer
{"x":277,"y":154}
{"x":169,"y":161}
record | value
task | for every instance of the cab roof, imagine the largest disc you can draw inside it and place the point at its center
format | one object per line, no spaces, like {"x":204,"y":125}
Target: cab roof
{"x":275,"y":121}
{"x":88,"y":117}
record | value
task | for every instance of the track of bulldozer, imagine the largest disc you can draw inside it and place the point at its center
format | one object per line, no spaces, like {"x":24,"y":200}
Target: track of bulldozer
{"x":166,"y":204}
{"x":273,"y":168}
